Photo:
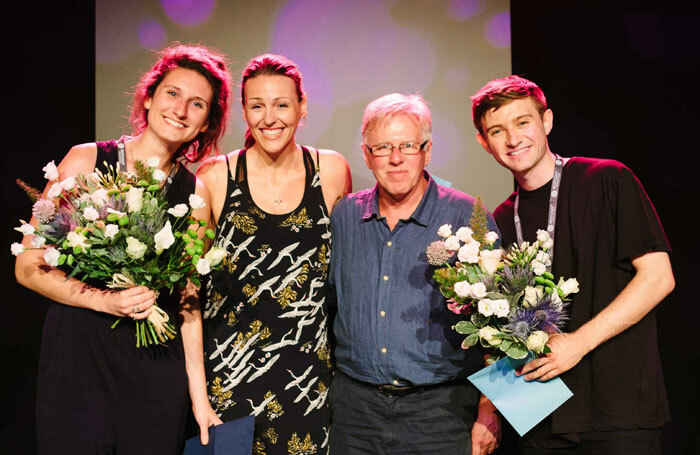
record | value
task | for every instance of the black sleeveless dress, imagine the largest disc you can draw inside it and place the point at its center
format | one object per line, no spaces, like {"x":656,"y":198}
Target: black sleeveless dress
{"x":265,"y":318}
{"x":99,"y":394}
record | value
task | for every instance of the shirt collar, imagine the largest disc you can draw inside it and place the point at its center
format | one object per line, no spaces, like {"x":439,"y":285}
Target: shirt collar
{"x":422,"y":213}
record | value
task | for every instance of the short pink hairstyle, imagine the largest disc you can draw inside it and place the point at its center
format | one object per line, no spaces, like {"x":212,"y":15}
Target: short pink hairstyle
{"x":210,"y":64}
{"x":386,"y":107}
{"x":270,"y":65}
{"x":499,"y":92}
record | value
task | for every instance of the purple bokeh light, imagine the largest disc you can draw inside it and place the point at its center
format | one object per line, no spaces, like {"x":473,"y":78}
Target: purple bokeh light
{"x":189,"y":13}
{"x":498,"y":30}
{"x":463,"y":10}
{"x":152,"y":35}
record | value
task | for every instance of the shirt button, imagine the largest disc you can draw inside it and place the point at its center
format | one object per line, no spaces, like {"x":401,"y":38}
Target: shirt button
{"x":385,"y":277}
{"x":396,"y":382}
{"x":383,"y":350}
{"x":382,"y":313}
{"x":389,"y":243}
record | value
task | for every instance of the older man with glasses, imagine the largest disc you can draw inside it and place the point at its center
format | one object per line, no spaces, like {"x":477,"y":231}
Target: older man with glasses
{"x":400,"y":384}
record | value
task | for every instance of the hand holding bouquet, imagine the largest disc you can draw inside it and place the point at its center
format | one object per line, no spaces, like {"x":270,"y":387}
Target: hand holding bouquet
{"x":116,"y":228}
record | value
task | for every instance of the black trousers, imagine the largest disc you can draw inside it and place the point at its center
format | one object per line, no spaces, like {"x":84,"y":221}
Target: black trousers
{"x":619,"y":442}
{"x":436,"y":420}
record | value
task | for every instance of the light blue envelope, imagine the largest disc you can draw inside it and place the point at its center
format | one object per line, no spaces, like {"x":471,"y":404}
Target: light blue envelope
{"x":524,"y":404}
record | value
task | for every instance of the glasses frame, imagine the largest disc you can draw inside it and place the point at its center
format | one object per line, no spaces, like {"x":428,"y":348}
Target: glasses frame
{"x":373,"y":153}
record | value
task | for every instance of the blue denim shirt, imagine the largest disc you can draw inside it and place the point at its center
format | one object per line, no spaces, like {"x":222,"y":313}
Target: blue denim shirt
{"x":392,"y":324}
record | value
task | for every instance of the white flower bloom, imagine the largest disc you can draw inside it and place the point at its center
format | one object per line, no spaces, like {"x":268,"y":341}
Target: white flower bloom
{"x":55,"y":191}
{"x":488,"y":334}
{"x":158,"y":175}
{"x":153,"y":162}
{"x":50,"y":171}
{"x":537,"y":341}
{"x":111,"y":230}
{"x":486,"y":307}
{"x":75,"y":239}
{"x":478,"y":290}
{"x":135,"y":249}
{"x":464,"y":234}
{"x":179,"y":210}
{"x":569,"y":286}
{"x":17,"y":248}
{"x":462,"y":288}
{"x":452,"y":243}
{"x":117,"y":212}
{"x":548,"y":244}
{"x":469,"y":253}
{"x":164,"y":238}
{"x":445,"y":231}
{"x":68,"y":184}
{"x":532,"y":295}
{"x":51,"y":256}
{"x":215,"y":255}
{"x":538,"y":267}
{"x":556,"y":300}
{"x":99,"y":197}
{"x":203,"y":266}
{"x":489,"y":260}
{"x":91,"y":214}
{"x":490,"y":238}
{"x":543,"y":236}
{"x":38,"y":241}
{"x":26,"y":229}
{"x":544,"y":258}
{"x":134,"y":199}
{"x":196,"y":202}
{"x":501,"y":308}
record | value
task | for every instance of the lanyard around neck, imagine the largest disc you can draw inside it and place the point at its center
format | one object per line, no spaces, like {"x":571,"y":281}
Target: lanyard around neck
{"x":553,"y":197}
{"x":121,"y":152}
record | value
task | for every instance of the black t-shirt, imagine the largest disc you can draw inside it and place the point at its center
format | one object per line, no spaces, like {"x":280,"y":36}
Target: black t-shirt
{"x":604,"y":221}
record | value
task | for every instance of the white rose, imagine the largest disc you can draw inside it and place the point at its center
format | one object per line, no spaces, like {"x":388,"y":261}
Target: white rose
{"x":117,"y":212}
{"x":489,"y":260}
{"x":538,"y":267}
{"x":51,"y":256}
{"x":452,"y":243}
{"x":158,"y":175}
{"x":26,"y":229}
{"x":17,"y":248}
{"x":134,"y":199}
{"x":490,"y":238}
{"x":532,"y":295}
{"x":488,"y":334}
{"x":462,"y":288}
{"x":164,"y":238}
{"x":99,"y":197}
{"x":215,"y":255}
{"x":478,"y":290}
{"x":569,"y":286}
{"x":75,"y":239}
{"x":548,"y":244}
{"x":179,"y":210}
{"x":537,"y":341}
{"x":135,"y":249}
{"x":68,"y":184}
{"x":91,"y":214}
{"x":38,"y":241}
{"x":501,"y":308}
{"x":203,"y":266}
{"x":111,"y":230}
{"x":55,"y":191}
{"x":469,"y":253}
{"x":486,"y":307}
{"x":543,"y":257}
{"x":50,"y":171}
{"x":445,"y":231}
{"x":153,"y":162}
{"x":543,"y":236}
{"x":556,"y":300}
{"x":464,"y":234}
{"x":196,"y":202}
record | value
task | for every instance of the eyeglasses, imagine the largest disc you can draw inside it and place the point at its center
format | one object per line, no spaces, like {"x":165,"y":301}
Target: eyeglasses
{"x":406,"y":148}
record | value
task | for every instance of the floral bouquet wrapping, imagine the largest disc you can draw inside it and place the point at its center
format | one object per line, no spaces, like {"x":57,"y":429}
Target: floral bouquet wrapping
{"x":115,"y":228}
{"x":509,"y":299}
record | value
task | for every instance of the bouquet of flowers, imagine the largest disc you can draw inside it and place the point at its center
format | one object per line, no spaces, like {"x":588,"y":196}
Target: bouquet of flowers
{"x":509,"y":298}
{"x":115,"y":228}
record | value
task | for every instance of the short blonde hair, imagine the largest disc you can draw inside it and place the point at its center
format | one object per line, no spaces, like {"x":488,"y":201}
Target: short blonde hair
{"x":387,"y":106}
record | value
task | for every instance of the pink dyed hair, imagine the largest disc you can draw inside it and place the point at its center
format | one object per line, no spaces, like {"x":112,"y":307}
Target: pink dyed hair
{"x":210,"y":64}
{"x":499,"y":92}
{"x":270,"y":65}
{"x":387,"y":106}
